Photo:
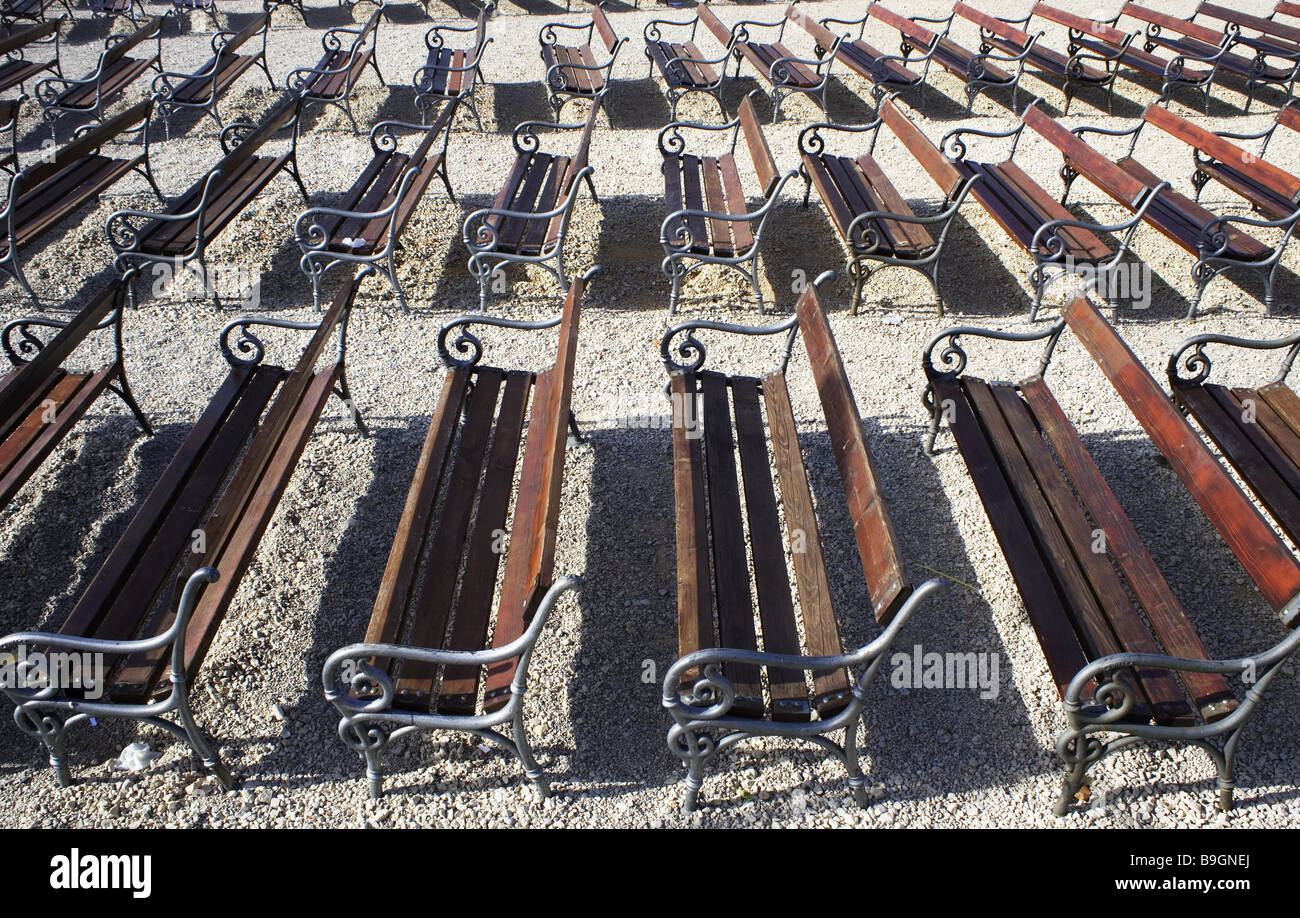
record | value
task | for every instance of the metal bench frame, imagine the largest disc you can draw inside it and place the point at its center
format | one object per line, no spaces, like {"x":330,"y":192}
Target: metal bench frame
{"x":434,"y":40}
{"x":812,"y":143}
{"x":1105,"y":726}
{"x":368,"y":721}
{"x":554,"y":79}
{"x":655,"y":31}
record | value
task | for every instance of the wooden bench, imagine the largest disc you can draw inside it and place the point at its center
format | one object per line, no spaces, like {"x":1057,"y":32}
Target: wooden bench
{"x":1113,"y":634}
{"x":1079,"y":68}
{"x":182,"y":232}
{"x":1057,"y":242}
{"x":775,"y":63}
{"x":1103,"y":39}
{"x":41,"y":398}
{"x":347,"y":53}
{"x":887,"y":73}
{"x":15,"y":68}
{"x":710,"y":220}
{"x":529,"y":218}
{"x":574,"y":71}
{"x":1216,"y":241}
{"x":1270,"y":191}
{"x":874,"y":222}
{"x":12,"y":11}
{"x":45,"y":193}
{"x":1198,"y":42}
{"x":979,"y":72}
{"x":682,"y":64}
{"x":434,"y":656}
{"x":366,"y":226}
{"x":116,"y":71}
{"x":202,"y":88}
{"x":1271,"y":39}
{"x":452,"y":73}
{"x":155,"y":605}
{"x":715,"y":691}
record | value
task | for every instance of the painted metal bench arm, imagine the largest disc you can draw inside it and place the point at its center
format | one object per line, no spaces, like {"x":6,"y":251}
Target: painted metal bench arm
{"x":740,"y":31}
{"x":672,"y":143}
{"x":555,"y":73}
{"x":299,"y":78}
{"x":811,"y":142}
{"x":249,"y":350}
{"x":1213,"y":239}
{"x":954,"y":148}
{"x":864,"y":226}
{"x":682,"y":238}
{"x":1190,"y":357}
{"x":779,"y":71}
{"x":162,"y":83}
{"x":28,"y":345}
{"x":1074,"y":66}
{"x":653,"y":33}
{"x":950,"y":361}
{"x":976,"y":70}
{"x":47,"y":696}
{"x":675,"y":61}
{"x":124,"y":236}
{"x":424,"y":77}
{"x":860,"y":23}
{"x":712,"y":696}
{"x":367,"y":678}
{"x":1049,"y":247}
{"x":467,"y":343}
{"x":383,"y":140}
{"x":546,"y":34}
{"x":433,"y":39}
{"x":483,"y":237}
{"x":1134,"y":133}
{"x":526,"y":140}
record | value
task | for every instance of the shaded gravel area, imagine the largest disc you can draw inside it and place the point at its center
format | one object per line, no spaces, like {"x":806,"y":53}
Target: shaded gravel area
{"x":933,"y":757}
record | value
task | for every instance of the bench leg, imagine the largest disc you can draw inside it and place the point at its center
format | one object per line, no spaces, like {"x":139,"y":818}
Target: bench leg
{"x":1202,"y":274}
{"x":122,"y":389}
{"x":532,"y":771}
{"x":859,"y":273}
{"x":198,"y":742}
{"x":49,"y":728}
{"x":9,"y":264}
{"x":857,"y":783}
{"x":345,"y":394}
{"x":676,"y":271}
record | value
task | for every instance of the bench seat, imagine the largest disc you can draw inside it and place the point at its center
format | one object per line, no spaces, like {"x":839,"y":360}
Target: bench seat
{"x":683,"y":75}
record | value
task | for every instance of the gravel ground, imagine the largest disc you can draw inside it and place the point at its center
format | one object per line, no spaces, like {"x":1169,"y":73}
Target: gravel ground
{"x":933,"y":758}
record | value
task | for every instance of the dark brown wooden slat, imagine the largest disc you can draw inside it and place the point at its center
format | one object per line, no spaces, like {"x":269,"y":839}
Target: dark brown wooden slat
{"x":693,"y":194}
{"x":458,"y":692}
{"x":695,"y":618}
{"x":1285,"y":442}
{"x":715,"y":202}
{"x":741,"y":235}
{"x":943,"y":172}
{"x":759,"y":151}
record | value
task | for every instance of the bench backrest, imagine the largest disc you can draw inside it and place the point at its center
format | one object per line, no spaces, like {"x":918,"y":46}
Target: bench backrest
{"x":603,"y":28}
{"x":150,"y":29}
{"x":18,"y":391}
{"x":1223,"y":150}
{"x":579,"y":161}
{"x":259,"y":26}
{"x":1165,"y":21}
{"x":759,"y":151}
{"x":1289,"y":116}
{"x":992,"y":25}
{"x":25,"y":37}
{"x":921,"y":147}
{"x":872,"y":525}
{"x":530,"y":561}
{"x":715,"y":25}
{"x":1285,"y":8}
{"x":1258,"y":23}
{"x":1096,"y":168}
{"x":1081,"y":24}
{"x":1256,"y":545}
{"x":480,"y":30}
{"x":910,"y":30}
{"x":84,"y":145}
{"x":275,"y":120}
{"x":824,"y":37}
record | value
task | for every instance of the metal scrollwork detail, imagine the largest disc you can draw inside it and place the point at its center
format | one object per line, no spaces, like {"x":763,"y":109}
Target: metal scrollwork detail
{"x":247,"y":350}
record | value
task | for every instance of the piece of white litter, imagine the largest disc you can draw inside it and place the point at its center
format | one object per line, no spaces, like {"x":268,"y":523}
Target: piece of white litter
{"x":349,"y":243}
{"x":136,"y":757}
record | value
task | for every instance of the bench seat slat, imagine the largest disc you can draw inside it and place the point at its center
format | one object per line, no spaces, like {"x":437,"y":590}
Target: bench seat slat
{"x":25,"y":448}
{"x":1280,"y":433}
{"x":694,"y":574}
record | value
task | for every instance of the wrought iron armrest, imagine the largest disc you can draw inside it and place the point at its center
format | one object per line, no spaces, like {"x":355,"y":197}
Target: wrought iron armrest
{"x":937,"y":20}
{"x":189,"y":599}
{"x":1047,"y":245}
{"x":28,"y":345}
{"x":652,"y":31}
{"x":162,"y":83}
{"x":811,"y":142}
{"x":49,"y":89}
{"x":554,"y":73}
{"x":331,"y":41}
{"x":1190,"y":356}
{"x":699,"y":60}
{"x":1133,"y":133}
{"x":249,"y":350}
{"x":712,"y":695}
{"x":525,"y":137}
{"x":1024,"y":21}
{"x":124,"y":236}
{"x":433,"y":39}
{"x":484,"y":235}
{"x":975,"y":69}
{"x":740,"y":31}
{"x":298,"y":77}
{"x":954,"y":148}
{"x":1213,"y":237}
{"x":779,"y":72}
{"x":312,"y":237}
{"x":546,"y":35}
{"x":1104,"y":57}
{"x":221,"y":38}
{"x":383,"y":140}
{"x":367,"y":680}
{"x":672,"y":143}
{"x":863,"y":223}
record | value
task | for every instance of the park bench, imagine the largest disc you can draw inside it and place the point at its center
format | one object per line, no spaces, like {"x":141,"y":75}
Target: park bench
{"x":1195,"y":41}
{"x":155,"y":605}
{"x":16,"y":69}
{"x":774,"y":62}
{"x":979,"y":72}
{"x":43,"y":194}
{"x":41,"y":398}
{"x":59,"y":96}
{"x":367,"y":224}
{"x":682,"y":64}
{"x":1215,"y":240}
{"x":205,"y":86}
{"x":1269,"y":190}
{"x":1114,"y":635}
{"x":1103,"y":39}
{"x":1271,"y":38}
{"x":874,"y":222}
{"x":12,"y":11}
{"x":1092,"y":66}
{"x":182,"y":232}
{"x":428,"y":662}
{"x":529,"y":218}
{"x":452,"y":73}
{"x":1057,"y":242}
{"x":347,"y":53}
{"x":574,"y":71}
{"x":887,"y":73}
{"x":710,"y":221}
{"x":714,"y":691}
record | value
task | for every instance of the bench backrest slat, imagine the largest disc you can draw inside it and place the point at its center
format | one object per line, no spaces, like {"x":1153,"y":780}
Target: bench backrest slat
{"x":603,"y":27}
{"x":759,"y":151}
{"x":1082,"y":24}
{"x":1258,"y":23}
{"x":713,"y":23}
{"x":86,"y":144}
{"x":922,"y":149}
{"x":259,"y":25}
{"x":992,"y":25}
{"x":1165,"y":21}
{"x":25,"y":37}
{"x":905,"y":27}
{"x":1096,"y":168}
{"x":872,"y":525}
{"x":1257,"y":546}
{"x":149,"y":30}
{"x":1223,"y":150}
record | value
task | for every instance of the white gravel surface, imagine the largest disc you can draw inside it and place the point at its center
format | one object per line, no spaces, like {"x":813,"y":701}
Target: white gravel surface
{"x":933,"y":758}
